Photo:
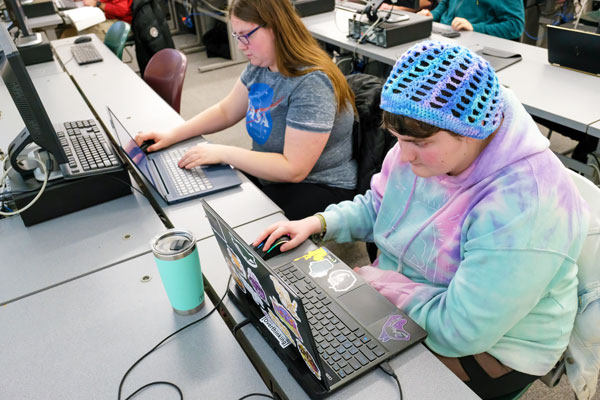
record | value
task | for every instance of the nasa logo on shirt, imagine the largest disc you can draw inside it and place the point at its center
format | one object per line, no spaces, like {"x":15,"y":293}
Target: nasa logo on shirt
{"x":259,"y":122}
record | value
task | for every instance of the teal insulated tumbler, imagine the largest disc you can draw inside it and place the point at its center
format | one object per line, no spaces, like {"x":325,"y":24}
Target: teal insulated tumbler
{"x":178,"y":264}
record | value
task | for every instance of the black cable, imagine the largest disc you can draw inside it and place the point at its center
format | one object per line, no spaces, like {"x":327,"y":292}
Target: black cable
{"x":239,"y":326}
{"x":161,"y":342}
{"x":257,"y":394}
{"x":156,"y":383}
{"x":385,"y":367}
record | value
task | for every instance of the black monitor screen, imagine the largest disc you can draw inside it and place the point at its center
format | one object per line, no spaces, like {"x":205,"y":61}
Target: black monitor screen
{"x":17,"y":15}
{"x":21,"y":89}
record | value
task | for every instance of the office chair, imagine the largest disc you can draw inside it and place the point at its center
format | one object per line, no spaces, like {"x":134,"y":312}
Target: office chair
{"x":116,"y":36}
{"x":588,"y":314}
{"x":165,"y":73}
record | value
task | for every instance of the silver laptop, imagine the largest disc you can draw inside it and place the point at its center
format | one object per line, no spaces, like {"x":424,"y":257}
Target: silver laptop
{"x":160,"y":168}
{"x":574,"y":49}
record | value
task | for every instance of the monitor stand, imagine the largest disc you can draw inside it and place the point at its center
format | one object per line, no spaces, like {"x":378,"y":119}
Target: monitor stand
{"x":26,"y":41}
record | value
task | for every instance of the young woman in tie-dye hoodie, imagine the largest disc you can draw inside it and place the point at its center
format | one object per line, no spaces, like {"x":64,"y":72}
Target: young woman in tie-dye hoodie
{"x":478,"y":223}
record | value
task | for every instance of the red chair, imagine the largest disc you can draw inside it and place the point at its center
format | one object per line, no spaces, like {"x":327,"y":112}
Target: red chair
{"x":165,"y":73}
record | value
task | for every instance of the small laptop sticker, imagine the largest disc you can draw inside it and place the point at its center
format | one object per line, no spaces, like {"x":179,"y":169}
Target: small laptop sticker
{"x":284,"y":298}
{"x":235,"y":275}
{"x":236,"y":262}
{"x":341,"y":280}
{"x":309,"y":360}
{"x":277,"y":334}
{"x":285,"y":317}
{"x":257,"y":287}
{"x":319,"y":269}
{"x":393,"y":329}
{"x":281,"y":327}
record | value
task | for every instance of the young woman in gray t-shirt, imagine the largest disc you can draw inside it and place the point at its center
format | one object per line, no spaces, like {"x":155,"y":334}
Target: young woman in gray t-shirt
{"x":298,"y":110}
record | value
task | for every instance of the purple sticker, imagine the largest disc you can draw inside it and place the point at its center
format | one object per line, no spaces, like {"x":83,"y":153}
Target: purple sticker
{"x":285,"y":317}
{"x":256,"y":285}
{"x":393,"y":329}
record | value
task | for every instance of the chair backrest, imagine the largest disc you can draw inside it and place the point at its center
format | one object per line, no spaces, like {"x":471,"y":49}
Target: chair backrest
{"x":165,"y":73}
{"x":116,"y":36}
{"x":583,"y":353}
{"x":371,"y":143}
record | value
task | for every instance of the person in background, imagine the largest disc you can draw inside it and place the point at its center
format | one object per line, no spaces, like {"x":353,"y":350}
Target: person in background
{"x":298,"y":110}
{"x":114,"y":10}
{"x":478,"y":223}
{"x":396,"y":5}
{"x":505,"y":19}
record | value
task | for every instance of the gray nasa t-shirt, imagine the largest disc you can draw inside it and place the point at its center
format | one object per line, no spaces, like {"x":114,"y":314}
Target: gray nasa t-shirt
{"x":307,"y":103}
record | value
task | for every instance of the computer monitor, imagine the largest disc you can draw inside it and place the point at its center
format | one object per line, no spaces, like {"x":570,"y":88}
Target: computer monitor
{"x":18,"y":18}
{"x":38,"y":128}
{"x":373,"y":5}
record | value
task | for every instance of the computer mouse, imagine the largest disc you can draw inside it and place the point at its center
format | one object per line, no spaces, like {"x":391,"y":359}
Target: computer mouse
{"x":83,"y":39}
{"x":274,"y":250}
{"x":145,"y":144}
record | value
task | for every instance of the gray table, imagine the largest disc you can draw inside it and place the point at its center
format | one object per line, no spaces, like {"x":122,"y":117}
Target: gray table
{"x":77,"y":340}
{"x":139,"y":108}
{"x":421,"y":375}
{"x":47,"y":23}
{"x":62,"y":249}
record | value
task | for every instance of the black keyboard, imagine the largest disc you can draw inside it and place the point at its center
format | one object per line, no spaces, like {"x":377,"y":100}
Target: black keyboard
{"x":87,"y":149}
{"x":341,"y":343}
{"x":85,"y":53}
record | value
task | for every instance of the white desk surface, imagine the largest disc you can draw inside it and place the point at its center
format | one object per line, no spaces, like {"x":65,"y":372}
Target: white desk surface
{"x":67,"y":247}
{"x":543,"y":89}
{"x":422,"y":376}
{"x":45,"y":21}
{"x":77,"y":340}
{"x":139,"y":108}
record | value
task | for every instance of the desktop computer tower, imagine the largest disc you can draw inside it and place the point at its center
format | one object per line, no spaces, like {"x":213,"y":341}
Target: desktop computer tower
{"x":63,"y":196}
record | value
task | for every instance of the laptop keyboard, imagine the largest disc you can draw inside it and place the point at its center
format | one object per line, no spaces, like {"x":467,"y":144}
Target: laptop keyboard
{"x":341,"y":343}
{"x":87,"y":149}
{"x":186,"y":181}
{"x":85,"y":54}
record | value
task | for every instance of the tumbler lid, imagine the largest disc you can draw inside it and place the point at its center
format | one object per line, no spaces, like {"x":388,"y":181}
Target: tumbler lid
{"x":172,"y":244}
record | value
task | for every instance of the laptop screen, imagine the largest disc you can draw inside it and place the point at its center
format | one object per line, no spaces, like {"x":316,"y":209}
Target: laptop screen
{"x":130,"y":147}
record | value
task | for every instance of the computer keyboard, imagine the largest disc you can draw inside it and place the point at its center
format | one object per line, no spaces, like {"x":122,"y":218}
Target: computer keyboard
{"x":340,"y":341}
{"x":187,"y":181}
{"x":85,"y":53}
{"x":87,"y":149}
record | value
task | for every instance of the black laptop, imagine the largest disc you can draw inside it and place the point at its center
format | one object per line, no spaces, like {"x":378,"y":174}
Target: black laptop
{"x":574,"y":49}
{"x":160,"y":168}
{"x":326,"y":323}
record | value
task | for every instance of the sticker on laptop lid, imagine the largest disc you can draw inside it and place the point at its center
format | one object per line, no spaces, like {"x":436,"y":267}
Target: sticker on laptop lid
{"x":309,"y":360}
{"x":236,"y":262}
{"x":393,"y":329}
{"x":285,"y":317}
{"x":281,"y":326}
{"x":341,"y":280}
{"x":277,"y":334}
{"x":234,"y":275}
{"x":256,"y":286}
{"x":284,"y":298}
{"x":257,"y":299}
{"x":247,"y":256}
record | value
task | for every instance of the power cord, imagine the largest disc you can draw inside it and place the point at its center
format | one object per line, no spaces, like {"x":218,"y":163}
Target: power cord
{"x":158,"y":345}
{"x":258,"y":395}
{"x":385,"y":367}
{"x":36,"y":198}
{"x":239,"y":326}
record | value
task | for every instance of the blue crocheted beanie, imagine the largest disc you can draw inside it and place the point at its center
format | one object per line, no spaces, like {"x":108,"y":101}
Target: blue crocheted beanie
{"x":446,"y":86}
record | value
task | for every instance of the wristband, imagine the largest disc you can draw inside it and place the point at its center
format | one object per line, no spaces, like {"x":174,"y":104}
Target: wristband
{"x":318,"y":237}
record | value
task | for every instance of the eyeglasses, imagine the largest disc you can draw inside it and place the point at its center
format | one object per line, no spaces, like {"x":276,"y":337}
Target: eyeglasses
{"x":245,"y":39}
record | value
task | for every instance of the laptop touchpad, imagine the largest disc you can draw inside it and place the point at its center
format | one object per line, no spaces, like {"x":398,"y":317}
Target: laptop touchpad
{"x":367,"y":305}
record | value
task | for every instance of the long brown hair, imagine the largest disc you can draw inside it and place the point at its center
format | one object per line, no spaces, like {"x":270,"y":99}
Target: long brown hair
{"x":297,"y":52}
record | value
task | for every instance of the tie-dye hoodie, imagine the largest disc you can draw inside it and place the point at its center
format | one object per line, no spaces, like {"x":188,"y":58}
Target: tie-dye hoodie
{"x":487,"y":258}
